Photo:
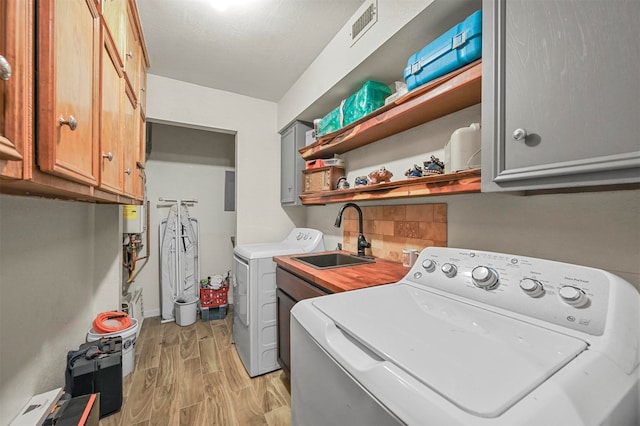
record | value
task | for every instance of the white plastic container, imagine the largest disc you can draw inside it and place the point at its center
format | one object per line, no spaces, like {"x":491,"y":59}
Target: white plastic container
{"x":186,"y":311}
{"x":462,"y":152}
{"x":128,"y":344}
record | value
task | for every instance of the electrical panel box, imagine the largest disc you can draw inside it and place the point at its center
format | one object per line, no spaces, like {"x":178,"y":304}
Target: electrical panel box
{"x":133,"y":219}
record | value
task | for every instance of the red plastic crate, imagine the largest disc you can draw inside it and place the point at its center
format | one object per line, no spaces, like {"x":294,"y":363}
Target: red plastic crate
{"x":212,"y":298}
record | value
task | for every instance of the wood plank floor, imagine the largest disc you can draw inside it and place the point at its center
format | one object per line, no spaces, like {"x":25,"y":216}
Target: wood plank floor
{"x":193,"y":376}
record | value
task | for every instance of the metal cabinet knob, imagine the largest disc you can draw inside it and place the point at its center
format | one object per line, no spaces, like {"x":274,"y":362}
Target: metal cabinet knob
{"x":108,"y":156}
{"x":72,"y":122}
{"x":5,"y":69}
{"x":129,"y":54}
{"x":519,"y":134}
{"x":128,"y":171}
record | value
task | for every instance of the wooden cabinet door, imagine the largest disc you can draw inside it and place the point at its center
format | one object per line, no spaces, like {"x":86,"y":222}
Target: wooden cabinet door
{"x":131,"y":52}
{"x":16,"y":79}
{"x":284,"y":304}
{"x":111,"y":132}
{"x":140,"y":172}
{"x":68,"y":89}
{"x":113,"y":12}
{"x":290,"y":290}
{"x":142,"y":81}
{"x":562,"y":94}
{"x":131,"y":147}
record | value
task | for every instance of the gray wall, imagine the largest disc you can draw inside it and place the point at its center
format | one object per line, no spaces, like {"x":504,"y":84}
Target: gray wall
{"x":59,"y":267}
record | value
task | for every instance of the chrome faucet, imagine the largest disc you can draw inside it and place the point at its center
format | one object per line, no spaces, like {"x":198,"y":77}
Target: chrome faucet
{"x":362,"y":242}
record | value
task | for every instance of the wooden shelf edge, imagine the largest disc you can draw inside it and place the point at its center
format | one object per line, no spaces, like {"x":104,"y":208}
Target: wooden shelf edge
{"x":53,"y":187}
{"x":447,"y":184}
{"x":450,"y":93}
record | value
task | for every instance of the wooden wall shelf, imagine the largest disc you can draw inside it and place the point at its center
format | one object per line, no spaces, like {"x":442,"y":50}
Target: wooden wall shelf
{"x":445,"y":95}
{"x":447,"y":184}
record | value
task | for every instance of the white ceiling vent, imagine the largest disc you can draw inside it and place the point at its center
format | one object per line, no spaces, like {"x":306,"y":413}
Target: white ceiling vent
{"x":364,"y":21}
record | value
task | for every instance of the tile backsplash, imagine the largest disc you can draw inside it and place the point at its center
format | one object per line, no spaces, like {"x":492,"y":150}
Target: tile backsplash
{"x":390,"y":229}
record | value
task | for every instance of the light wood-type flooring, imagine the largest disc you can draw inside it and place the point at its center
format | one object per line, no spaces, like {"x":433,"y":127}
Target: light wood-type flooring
{"x":193,"y":376}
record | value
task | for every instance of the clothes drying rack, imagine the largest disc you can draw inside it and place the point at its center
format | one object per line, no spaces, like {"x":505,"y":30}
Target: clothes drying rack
{"x":179,"y":288}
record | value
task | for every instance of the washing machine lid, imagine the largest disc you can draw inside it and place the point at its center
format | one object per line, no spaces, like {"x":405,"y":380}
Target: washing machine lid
{"x":263,"y":250}
{"x":481,"y":361}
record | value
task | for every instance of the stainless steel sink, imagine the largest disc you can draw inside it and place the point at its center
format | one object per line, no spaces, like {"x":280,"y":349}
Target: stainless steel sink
{"x":332,"y":260}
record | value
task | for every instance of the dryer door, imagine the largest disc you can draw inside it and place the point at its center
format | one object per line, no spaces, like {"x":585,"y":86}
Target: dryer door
{"x":240,"y":290}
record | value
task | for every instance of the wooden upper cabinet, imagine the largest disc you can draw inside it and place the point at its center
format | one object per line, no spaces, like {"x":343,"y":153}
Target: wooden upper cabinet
{"x":68,"y":85}
{"x":111,"y":131}
{"x":114,"y":15}
{"x":86,"y":113}
{"x":142,"y":81}
{"x":140,"y":173}
{"x":132,"y":51}
{"x":131,"y":146}
{"x":16,"y":79}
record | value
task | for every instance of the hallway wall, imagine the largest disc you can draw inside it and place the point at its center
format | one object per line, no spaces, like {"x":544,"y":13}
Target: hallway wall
{"x":189,"y":163}
{"x":257,"y":148}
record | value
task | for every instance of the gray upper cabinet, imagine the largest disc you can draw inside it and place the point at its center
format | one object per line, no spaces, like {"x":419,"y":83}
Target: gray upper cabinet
{"x":560,"y":94}
{"x":292,"y":164}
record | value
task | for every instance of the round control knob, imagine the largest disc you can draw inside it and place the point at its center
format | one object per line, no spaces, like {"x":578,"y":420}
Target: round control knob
{"x":449,"y":270}
{"x":573,"y":296}
{"x":429,"y":265}
{"x":532,"y":287}
{"x":484,"y":277}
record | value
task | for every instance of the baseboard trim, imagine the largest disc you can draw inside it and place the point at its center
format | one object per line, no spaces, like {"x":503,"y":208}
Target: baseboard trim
{"x":152,"y":313}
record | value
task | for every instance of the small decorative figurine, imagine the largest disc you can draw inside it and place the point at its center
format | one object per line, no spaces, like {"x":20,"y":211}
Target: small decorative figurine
{"x":361,"y":181}
{"x":380,"y":175}
{"x":433,"y":167}
{"x":342,"y":183}
{"x":414,"y":172}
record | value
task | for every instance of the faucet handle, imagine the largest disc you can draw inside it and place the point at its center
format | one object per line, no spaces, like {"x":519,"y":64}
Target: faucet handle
{"x":362,"y":244}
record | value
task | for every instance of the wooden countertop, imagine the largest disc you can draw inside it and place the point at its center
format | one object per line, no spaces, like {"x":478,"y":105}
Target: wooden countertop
{"x":345,"y":278}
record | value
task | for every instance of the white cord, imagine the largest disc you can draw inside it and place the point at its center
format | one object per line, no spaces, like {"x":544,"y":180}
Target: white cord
{"x":471,"y":158}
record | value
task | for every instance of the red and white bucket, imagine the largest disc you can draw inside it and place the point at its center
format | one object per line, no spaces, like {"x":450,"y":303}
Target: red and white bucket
{"x":128,"y":344}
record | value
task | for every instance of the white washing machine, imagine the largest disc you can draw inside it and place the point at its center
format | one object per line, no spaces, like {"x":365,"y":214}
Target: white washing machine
{"x":471,"y":337}
{"x":254,"y":297}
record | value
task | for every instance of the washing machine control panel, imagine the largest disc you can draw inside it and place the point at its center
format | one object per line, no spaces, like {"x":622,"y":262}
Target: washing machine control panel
{"x":572,"y":296}
{"x":308,"y":239}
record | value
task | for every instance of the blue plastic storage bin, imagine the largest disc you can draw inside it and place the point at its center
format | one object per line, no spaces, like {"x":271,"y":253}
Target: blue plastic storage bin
{"x":213,"y":313}
{"x":454,"y":49}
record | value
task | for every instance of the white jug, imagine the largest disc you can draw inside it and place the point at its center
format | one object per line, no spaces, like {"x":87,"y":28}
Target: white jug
{"x":462,"y":152}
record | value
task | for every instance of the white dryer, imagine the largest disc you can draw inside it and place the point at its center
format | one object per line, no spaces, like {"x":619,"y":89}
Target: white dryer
{"x":254,"y":296}
{"x":470,"y":337}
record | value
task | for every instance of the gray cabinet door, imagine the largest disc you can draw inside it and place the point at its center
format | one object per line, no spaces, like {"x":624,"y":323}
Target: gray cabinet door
{"x":561,"y":93}
{"x":292,"y":164}
{"x":287,"y":174}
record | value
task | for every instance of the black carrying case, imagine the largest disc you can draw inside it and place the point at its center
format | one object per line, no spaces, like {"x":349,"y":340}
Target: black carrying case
{"x":96,"y":367}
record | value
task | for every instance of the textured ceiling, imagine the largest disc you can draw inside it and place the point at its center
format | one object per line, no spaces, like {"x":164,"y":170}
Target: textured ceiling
{"x":257,"y":48}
